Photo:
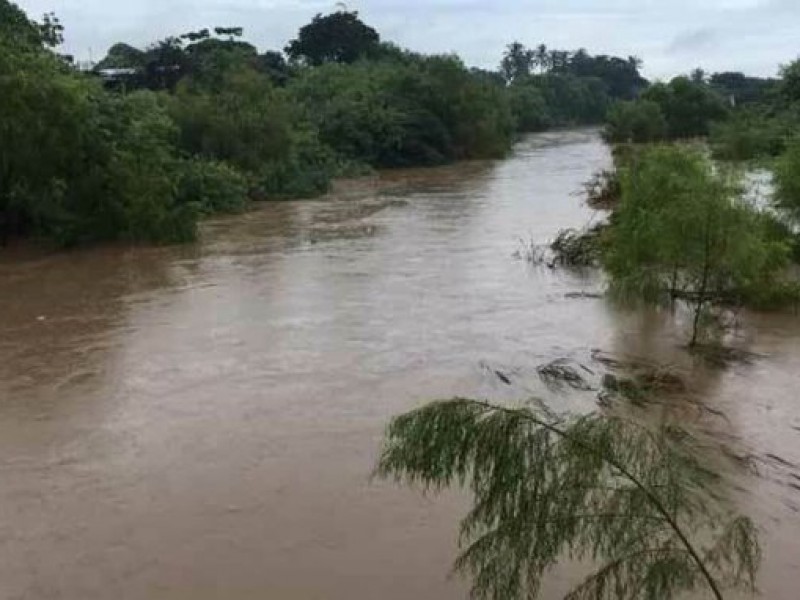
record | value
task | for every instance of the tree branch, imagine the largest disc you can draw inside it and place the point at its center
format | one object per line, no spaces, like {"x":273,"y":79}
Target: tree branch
{"x":656,"y":502}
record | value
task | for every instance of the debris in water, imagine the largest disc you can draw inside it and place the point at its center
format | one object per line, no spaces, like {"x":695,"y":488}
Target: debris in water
{"x":558,"y":374}
{"x":533,"y":253}
{"x":642,"y":383}
{"x":502,"y":377}
{"x":663,"y":380}
{"x":722,"y":356}
{"x":782,"y":461}
{"x":581,"y":295}
{"x":626,"y":388}
{"x":496,"y":373}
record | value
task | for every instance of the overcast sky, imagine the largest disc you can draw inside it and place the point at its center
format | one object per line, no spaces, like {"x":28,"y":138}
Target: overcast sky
{"x":671,"y":36}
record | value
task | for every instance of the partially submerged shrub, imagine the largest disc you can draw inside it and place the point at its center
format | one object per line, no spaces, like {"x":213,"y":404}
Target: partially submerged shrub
{"x":682,"y":231}
{"x":747,"y":136}
{"x":603,"y":189}
{"x":578,"y":248}
{"x":640,"y":121}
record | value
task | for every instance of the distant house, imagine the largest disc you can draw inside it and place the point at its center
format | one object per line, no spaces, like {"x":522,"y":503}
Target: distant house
{"x":113,"y":75}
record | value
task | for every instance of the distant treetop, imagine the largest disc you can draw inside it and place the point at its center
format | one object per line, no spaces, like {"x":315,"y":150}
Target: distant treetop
{"x":338,"y":37}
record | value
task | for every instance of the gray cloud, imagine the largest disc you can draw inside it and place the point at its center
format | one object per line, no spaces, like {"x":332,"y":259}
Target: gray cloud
{"x":692,"y":41}
{"x":671,"y":36}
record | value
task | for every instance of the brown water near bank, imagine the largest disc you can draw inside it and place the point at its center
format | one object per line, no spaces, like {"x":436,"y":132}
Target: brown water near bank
{"x":200,"y":422}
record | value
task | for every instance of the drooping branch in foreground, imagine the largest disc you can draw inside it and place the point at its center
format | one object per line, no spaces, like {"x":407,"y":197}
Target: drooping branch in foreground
{"x":633,"y":501}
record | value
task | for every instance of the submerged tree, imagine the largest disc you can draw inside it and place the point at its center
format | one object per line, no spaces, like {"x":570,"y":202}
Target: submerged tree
{"x":635,"y":502}
{"x":682,"y":232}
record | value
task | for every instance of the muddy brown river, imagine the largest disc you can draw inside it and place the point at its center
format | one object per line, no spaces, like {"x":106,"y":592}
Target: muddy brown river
{"x":200,"y":422}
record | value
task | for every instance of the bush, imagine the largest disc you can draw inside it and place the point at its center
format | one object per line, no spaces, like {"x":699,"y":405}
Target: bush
{"x":247,"y":123}
{"x":689,"y":107}
{"x":258,"y":129}
{"x":529,"y":108}
{"x":638,"y":122}
{"x":213,"y":187}
{"x":304,"y":173}
{"x":573,"y":100}
{"x":787,"y":181}
{"x":579,"y":248}
{"x":130,"y":193}
{"x":748,"y":135}
{"x":354,"y":108}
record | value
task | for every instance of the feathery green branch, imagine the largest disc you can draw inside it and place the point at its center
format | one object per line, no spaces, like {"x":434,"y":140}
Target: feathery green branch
{"x":589,"y":488}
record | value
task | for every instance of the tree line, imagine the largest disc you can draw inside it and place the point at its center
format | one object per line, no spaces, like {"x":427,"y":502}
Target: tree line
{"x":153,"y":139}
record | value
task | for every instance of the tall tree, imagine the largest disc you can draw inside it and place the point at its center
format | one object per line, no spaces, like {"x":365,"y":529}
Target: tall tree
{"x":517,"y":62}
{"x":698,"y":76}
{"x":16,"y":29}
{"x":790,"y":84}
{"x":543,"y":58}
{"x":559,"y":60}
{"x":196,"y":36}
{"x":339,"y":37}
{"x":635,"y":63}
{"x":741,"y":89}
{"x":230,"y":32}
{"x":165,"y":63}
{"x":273,"y":64}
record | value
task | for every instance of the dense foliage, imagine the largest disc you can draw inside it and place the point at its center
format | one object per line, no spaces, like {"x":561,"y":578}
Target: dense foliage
{"x":765,"y":117}
{"x":79,"y":164}
{"x":339,"y":37}
{"x":681,"y":231}
{"x":740,"y":90}
{"x":787,"y":181}
{"x":639,"y":122}
{"x":202,"y":122}
{"x":416,"y":110}
{"x":683,"y":108}
{"x":750,"y":133}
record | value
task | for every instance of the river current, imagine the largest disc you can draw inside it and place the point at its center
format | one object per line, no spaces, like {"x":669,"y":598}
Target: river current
{"x":200,"y":422}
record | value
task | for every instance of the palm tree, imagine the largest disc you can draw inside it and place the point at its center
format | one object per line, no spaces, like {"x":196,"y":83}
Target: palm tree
{"x":542,"y":57}
{"x":517,"y":62}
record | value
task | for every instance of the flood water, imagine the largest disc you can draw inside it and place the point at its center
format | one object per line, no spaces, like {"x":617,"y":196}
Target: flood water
{"x":200,"y":422}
